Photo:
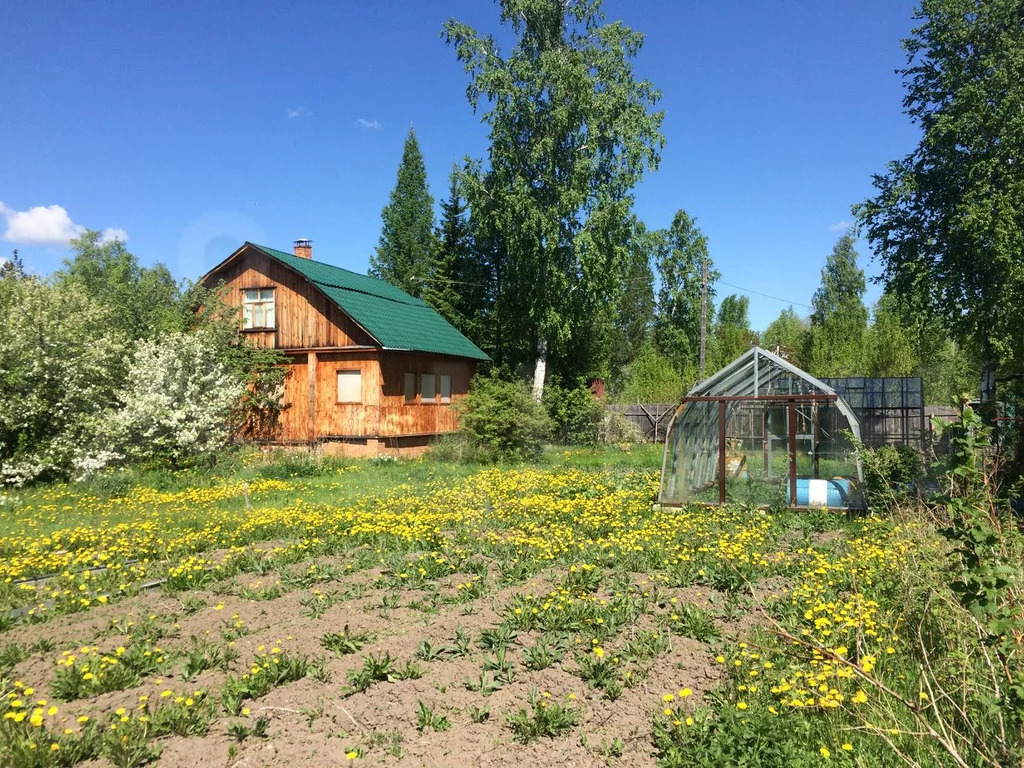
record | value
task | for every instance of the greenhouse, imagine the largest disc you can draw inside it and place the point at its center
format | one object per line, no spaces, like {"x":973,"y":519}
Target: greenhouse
{"x":762,"y":432}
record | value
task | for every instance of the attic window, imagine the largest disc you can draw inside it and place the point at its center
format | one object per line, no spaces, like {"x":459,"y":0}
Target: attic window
{"x":258,"y":308}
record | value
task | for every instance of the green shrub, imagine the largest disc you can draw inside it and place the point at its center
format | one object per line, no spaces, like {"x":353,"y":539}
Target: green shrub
{"x":283,"y":465}
{"x":503,"y":420}
{"x":575,"y":414}
{"x":651,"y":378}
{"x":616,"y":429}
{"x":890,"y":469}
{"x":458,"y":447}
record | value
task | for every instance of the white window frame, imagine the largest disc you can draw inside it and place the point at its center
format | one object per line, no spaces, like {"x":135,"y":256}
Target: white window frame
{"x":259,"y":311}
{"x":432,"y":379}
{"x":344,"y":373}
{"x":445,"y":384}
{"x":409,"y":387}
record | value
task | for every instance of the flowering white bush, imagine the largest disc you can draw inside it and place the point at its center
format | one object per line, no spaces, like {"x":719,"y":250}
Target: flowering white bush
{"x":177,"y":399}
{"x":58,"y":368}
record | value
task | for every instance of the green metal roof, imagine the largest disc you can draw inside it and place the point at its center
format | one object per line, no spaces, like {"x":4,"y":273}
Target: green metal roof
{"x":393,"y":317}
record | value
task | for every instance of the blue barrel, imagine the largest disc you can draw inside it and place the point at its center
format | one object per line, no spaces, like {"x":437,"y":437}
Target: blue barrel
{"x":821,"y":492}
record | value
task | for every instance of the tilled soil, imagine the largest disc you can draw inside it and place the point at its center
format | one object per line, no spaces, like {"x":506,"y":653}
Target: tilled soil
{"x":316,"y":722}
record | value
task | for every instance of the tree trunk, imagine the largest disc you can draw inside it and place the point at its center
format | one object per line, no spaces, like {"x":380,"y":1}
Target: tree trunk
{"x":540,"y":369}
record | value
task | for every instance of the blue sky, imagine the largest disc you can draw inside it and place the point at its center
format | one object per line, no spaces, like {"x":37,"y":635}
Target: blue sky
{"x":191,"y":127}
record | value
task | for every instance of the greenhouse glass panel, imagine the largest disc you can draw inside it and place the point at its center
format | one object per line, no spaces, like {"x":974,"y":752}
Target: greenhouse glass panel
{"x":762,"y":432}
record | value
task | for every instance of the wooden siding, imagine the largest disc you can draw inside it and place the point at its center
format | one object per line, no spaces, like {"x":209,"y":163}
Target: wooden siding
{"x":305,"y":317}
{"x":347,"y":419}
{"x":320,"y":340}
{"x":295,"y":410}
{"x":384,"y":411}
{"x":417,"y":418}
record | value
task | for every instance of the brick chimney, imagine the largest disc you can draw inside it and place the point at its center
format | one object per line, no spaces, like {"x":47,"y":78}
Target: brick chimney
{"x":304,"y":248}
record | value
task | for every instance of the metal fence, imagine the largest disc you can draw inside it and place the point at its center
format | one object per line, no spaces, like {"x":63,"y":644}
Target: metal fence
{"x":653,"y":420}
{"x":890,"y":410}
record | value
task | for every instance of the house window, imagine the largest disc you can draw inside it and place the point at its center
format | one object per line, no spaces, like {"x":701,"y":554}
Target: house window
{"x":410,"y":387}
{"x":429,"y":387}
{"x":350,"y":386}
{"x":258,"y":308}
{"x":446,"y":388}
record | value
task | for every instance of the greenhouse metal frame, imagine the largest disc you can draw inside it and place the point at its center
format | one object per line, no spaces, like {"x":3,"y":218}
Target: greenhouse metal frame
{"x":764,"y":432}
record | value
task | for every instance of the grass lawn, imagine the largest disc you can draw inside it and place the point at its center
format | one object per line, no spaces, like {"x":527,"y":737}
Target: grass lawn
{"x":416,"y":612}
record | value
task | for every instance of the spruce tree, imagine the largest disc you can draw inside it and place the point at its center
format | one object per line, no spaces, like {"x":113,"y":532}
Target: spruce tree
{"x":407,"y":249}
{"x":456,"y":285}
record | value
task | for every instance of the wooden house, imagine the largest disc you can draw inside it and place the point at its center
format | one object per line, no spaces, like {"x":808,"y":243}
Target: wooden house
{"x":371,"y":369}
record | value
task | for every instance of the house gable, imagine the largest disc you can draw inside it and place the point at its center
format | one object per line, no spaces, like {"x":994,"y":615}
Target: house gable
{"x":305,"y":317}
{"x":395,"y":319}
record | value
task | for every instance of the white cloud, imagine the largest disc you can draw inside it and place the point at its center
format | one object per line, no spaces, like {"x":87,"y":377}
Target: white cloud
{"x":294,"y":112}
{"x":373,"y":125}
{"x":110,"y":234}
{"x":48,"y":225}
{"x":41,"y":225}
{"x":841,"y":226}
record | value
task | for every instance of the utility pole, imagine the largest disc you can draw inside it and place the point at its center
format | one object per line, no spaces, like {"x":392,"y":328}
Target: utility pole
{"x":703,"y":313}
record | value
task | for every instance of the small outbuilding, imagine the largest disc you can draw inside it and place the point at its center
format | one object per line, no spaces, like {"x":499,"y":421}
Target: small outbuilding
{"x":370,"y":368}
{"x":761,"y":431}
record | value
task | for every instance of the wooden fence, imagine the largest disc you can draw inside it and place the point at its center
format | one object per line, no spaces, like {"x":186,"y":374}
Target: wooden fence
{"x":653,"y":420}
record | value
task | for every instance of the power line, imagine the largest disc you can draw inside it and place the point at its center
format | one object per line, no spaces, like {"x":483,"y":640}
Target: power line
{"x":766,"y":295}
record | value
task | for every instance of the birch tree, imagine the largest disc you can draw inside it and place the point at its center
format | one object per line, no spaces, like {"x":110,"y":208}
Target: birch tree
{"x":572,"y":131}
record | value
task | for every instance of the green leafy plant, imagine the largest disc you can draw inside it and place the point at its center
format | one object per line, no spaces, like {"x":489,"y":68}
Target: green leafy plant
{"x":484,"y":683}
{"x":427,"y":718}
{"x":89,"y":671}
{"x":410,"y":670}
{"x":543,"y":717}
{"x":648,"y":644}
{"x":239,"y":731}
{"x":575,"y":414}
{"x":204,"y":654}
{"x":346,"y":641}
{"x":601,"y":671}
{"x":427,"y":651}
{"x":692,"y":621}
{"x":541,"y":655}
{"x":184,"y":716}
{"x":582,"y":577}
{"x":497,"y":637}
{"x":266,"y":672}
{"x":376,"y":667}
